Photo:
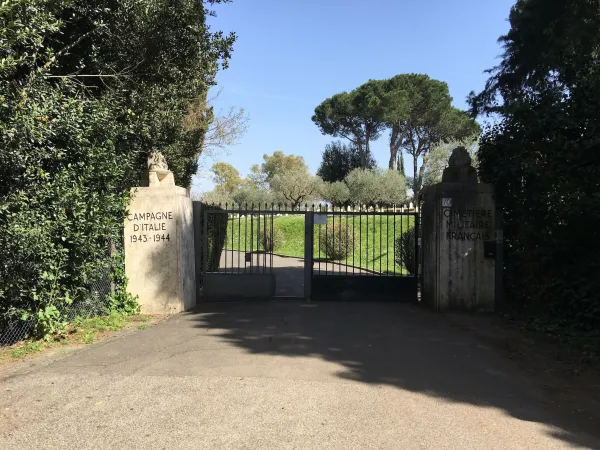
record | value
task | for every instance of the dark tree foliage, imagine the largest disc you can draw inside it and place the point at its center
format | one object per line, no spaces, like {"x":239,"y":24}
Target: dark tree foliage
{"x":87,"y":90}
{"x":543,"y":156}
{"x":339,"y":159}
{"x":419,"y":113}
{"x":356,"y":116}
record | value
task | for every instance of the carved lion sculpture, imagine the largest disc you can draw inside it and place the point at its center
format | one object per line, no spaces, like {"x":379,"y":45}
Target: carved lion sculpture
{"x":158,"y":171}
{"x":156,"y":161}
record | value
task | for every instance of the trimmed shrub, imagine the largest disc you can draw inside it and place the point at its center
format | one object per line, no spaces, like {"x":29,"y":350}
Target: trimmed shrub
{"x":405,"y":251}
{"x":338,"y":240}
{"x":272,"y":241}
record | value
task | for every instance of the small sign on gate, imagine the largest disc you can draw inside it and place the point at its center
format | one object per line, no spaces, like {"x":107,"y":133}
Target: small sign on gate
{"x":320,"y":219}
{"x":446,"y":203}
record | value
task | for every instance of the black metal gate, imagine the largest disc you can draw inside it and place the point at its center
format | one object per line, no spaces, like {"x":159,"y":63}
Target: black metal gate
{"x":316,"y":252}
{"x":365,"y":254}
{"x":242,"y":254}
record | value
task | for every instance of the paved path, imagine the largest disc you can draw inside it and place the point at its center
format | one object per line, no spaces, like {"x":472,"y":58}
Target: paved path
{"x":283,"y":375}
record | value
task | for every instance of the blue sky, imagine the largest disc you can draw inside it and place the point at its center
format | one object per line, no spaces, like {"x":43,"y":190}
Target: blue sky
{"x":292,"y":54}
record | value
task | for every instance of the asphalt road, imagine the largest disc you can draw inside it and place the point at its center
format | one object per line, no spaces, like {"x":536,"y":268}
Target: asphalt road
{"x":284,"y":375}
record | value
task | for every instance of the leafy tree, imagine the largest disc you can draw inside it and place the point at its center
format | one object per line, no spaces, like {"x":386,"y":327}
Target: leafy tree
{"x":226,"y":177}
{"x":436,"y":160}
{"x":542,"y":152}
{"x":257,"y":177}
{"x":356,"y":116}
{"x":392,"y":187}
{"x":336,"y":193}
{"x":249,"y":194}
{"x":419,"y":112}
{"x":339,"y":160}
{"x":364,"y":186}
{"x":216,"y":197}
{"x":295,"y":186}
{"x":279,"y":163}
{"x":87,"y":89}
{"x":376,"y":187}
{"x":145,"y":51}
{"x":273,"y":165}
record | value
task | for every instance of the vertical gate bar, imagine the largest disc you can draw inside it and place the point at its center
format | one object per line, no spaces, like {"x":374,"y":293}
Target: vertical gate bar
{"x":251,"y":235}
{"x":387,"y":243}
{"x":265,"y":234}
{"x":239,"y":245}
{"x":367,"y":227}
{"x":402,"y":250}
{"x":272,"y":235}
{"x":319,"y":237}
{"x":224,"y":240}
{"x":217,"y":241}
{"x":333,"y":241}
{"x":258,"y":241}
{"x":416,"y":218}
{"x":346,"y":231}
{"x":395,"y":217}
{"x":232,"y":233}
{"x":374,"y":217}
{"x":360,"y":237}
{"x":309,"y":220}
{"x":326,"y":241}
{"x":380,"y":235}
{"x":261,"y":231}
{"x":262,"y":239}
{"x":246,"y":238}
{"x":353,"y":239}
{"x":205,"y":246}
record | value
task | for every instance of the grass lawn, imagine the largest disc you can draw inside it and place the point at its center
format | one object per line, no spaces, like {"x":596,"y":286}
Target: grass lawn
{"x":373,"y":247}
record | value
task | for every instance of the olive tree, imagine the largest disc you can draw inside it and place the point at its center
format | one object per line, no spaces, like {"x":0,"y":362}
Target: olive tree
{"x":295,"y":186}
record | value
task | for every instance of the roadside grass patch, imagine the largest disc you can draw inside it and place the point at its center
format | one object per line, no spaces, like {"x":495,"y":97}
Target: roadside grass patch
{"x":28,"y":348}
{"x":81,"y":330}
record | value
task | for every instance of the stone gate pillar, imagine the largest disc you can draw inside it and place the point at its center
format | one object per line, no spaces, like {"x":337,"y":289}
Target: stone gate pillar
{"x":459,"y":240}
{"x":159,"y":243}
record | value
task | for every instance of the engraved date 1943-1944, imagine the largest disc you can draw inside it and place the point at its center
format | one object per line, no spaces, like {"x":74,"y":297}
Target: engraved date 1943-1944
{"x":149,"y":238}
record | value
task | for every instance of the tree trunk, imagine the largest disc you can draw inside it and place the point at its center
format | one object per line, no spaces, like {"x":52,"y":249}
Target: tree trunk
{"x":415,"y":179}
{"x":365,"y":154}
{"x":395,"y":144}
{"x":393,"y":156}
{"x":361,"y":153}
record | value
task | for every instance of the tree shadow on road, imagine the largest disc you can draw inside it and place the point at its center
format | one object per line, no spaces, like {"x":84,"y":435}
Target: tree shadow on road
{"x":396,"y":345}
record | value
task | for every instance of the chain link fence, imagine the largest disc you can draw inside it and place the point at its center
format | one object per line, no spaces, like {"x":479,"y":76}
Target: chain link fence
{"x":95,"y":304}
